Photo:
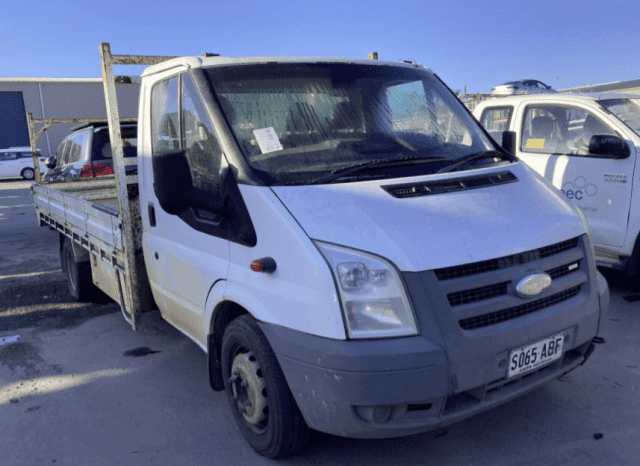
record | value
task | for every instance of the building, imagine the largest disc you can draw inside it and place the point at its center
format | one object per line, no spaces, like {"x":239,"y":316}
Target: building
{"x":56,"y":98}
{"x":632,"y":87}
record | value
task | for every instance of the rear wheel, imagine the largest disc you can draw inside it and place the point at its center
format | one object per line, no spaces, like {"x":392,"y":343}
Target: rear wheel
{"x":28,"y":174}
{"x":260,"y":399}
{"x":78,"y":275}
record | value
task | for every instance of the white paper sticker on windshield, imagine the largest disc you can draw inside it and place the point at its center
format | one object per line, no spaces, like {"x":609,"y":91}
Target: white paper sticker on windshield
{"x":267,"y":140}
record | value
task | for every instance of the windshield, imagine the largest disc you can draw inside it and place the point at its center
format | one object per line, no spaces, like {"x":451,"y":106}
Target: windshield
{"x":627,"y":110}
{"x":298,"y":122}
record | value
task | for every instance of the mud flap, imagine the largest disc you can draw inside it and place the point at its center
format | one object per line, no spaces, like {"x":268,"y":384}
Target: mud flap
{"x":215,"y":367}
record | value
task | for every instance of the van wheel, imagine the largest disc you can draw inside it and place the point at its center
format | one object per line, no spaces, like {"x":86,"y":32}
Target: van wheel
{"x":78,"y":274}
{"x":28,"y":174}
{"x":260,"y":399}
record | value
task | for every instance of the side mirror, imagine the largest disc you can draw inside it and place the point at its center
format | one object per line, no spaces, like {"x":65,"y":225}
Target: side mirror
{"x":609,"y":146}
{"x":173,"y":187}
{"x":509,"y":141}
{"x":50,"y":162}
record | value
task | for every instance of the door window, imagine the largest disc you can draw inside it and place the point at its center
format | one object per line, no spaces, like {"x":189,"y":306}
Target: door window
{"x":496,"y":120}
{"x":198,"y":140}
{"x":165,"y":118}
{"x":560,"y":130}
{"x":179,"y":122}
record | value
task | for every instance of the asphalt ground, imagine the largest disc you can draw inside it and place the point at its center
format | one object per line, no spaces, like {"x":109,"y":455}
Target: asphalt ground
{"x":79,"y":387}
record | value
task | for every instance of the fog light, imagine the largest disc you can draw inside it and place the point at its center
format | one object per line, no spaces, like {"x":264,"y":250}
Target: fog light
{"x":374,"y":414}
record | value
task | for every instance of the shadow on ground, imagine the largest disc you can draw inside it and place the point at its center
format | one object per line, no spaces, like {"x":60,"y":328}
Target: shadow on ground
{"x":44,"y":302}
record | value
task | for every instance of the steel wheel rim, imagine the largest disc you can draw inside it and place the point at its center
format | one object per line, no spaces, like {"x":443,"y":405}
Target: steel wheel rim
{"x":249,"y":391}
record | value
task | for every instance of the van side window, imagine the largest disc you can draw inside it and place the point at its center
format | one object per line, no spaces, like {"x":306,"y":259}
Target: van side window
{"x":496,"y":120}
{"x":179,"y":122}
{"x":560,"y":130}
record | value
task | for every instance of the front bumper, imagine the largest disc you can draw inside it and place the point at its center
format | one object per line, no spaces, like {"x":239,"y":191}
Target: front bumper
{"x":372,"y":389}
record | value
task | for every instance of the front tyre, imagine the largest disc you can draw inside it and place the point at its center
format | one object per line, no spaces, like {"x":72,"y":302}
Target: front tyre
{"x":260,"y":400}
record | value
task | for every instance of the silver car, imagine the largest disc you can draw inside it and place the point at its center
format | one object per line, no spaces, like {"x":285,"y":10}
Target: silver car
{"x":522,"y":86}
{"x":86,"y":153}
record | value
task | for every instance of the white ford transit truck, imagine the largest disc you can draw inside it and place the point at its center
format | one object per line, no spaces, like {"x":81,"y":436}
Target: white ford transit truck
{"x":586,"y":145}
{"x":345,"y":242}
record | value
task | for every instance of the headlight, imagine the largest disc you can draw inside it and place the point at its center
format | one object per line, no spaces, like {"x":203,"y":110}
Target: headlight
{"x":373,"y":299}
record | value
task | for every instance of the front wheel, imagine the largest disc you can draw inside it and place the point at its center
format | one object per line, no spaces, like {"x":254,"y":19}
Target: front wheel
{"x":28,"y":174}
{"x":260,"y":399}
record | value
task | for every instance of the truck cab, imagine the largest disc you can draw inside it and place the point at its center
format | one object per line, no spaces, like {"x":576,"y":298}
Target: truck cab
{"x":586,"y":146}
{"x":347,"y":227}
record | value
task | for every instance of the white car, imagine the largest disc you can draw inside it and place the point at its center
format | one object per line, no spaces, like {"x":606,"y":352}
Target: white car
{"x":522,"y":86}
{"x":18,"y":162}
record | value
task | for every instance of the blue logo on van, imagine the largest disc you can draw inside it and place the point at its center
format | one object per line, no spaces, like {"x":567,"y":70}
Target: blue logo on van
{"x":579,"y":189}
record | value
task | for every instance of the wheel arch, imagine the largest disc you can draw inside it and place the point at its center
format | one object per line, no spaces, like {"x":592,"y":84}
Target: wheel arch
{"x":223,"y":314}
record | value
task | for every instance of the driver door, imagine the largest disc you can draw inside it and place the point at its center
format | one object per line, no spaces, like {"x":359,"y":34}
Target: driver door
{"x":190,"y":251}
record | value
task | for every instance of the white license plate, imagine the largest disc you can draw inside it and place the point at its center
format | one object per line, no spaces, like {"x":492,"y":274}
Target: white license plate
{"x":535,"y":355}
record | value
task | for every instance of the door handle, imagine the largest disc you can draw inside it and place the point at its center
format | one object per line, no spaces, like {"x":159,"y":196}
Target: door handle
{"x":152,"y":215}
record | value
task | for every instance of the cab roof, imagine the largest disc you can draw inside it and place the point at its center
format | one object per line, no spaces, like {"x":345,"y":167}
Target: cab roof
{"x":211,"y":61}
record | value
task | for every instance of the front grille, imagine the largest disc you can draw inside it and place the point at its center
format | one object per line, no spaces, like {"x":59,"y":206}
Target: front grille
{"x":563,"y":270}
{"x":518,"y":311}
{"x":558,"y":248}
{"x":460,"y":298}
{"x":465,"y":270}
{"x":478,"y":294}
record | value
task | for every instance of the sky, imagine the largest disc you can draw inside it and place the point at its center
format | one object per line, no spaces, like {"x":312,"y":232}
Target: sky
{"x":467,"y":43}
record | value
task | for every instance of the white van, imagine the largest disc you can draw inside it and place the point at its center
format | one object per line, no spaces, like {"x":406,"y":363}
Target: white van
{"x":18,"y":162}
{"x":344,"y":241}
{"x":587,"y":146}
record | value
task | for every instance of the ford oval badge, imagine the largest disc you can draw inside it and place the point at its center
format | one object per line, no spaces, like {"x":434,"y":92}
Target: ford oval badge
{"x":533,"y":285}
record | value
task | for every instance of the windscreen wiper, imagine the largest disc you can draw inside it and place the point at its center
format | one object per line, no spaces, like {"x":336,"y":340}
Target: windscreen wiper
{"x":351,"y":169}
{"x":467,"y":159}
